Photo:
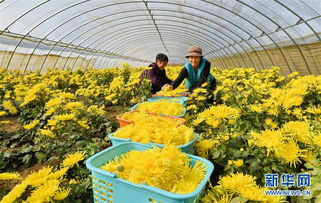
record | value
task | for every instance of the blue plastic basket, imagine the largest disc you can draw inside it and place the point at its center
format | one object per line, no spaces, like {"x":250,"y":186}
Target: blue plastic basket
{"x":107,"y":187}
{"x":179,"y":99}
{"x":133,"y":108}
{"x":187,"y":148}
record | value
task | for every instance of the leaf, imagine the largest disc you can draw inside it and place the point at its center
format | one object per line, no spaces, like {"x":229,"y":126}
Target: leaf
{"x":318,"y":199}
{"x":254,"y":166}
{"x":2,"y":164}
{"x":43,"y":117}
{"x":15,"y":144}
{"x":216,"y":154}
{"x":17,"y":136}
{"x":53,"y":158}
{"x":40,"y":156}
{"x":274,"y":167}
{"x":5,"y":142}
{"x":35,"y":148}
{"x":80,"y":143}
{"x":27,"y":158}
{"x":7,"y":154}
{"x":238,"y":199}
{"x":26,"y":149}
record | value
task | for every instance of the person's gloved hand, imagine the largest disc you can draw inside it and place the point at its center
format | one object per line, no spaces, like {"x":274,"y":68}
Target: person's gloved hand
{"x":167,"y":87}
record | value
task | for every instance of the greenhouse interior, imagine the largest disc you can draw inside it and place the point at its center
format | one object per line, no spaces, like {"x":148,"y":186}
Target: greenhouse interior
{"x":158,"y":101}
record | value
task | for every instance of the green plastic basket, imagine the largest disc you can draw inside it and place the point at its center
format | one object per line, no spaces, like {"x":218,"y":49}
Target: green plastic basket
{"x":107,"y":187}
{"x":174,"y":99}
{"x":187,"y":148}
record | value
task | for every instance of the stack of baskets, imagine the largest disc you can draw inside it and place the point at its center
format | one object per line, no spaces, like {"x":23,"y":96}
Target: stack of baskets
{"x":107,"y":187}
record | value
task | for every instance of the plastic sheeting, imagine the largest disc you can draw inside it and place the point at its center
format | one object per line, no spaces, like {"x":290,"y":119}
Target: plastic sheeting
{"x":114,"y":31}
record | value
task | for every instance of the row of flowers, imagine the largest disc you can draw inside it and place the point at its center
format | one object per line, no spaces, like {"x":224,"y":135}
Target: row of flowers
{"x":259,"y":123}
{"x":47,"y":184}
{"x":61,"y":112}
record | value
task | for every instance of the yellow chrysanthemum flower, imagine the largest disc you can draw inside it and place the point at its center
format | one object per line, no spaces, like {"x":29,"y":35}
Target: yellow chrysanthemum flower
{"x":142,"y":117}
{"x":67,"y":95}
{"x":4,"y":122}
{"x":65,"y":117}
{"x":252,"y":193}
{"x":290,"y":152}
{"x":54,"y":102}
{"x":15,"y":193}
{"x":231,"y":122}
{"x":293,"y":74}
{"x":199,"y":90}
{"x":83,"y":124}
{"x":2,"y":113}
{"x":61,"y":194}
{"x":192,"y":107}
{"x":9,"y":106}
{"x":9,"y":176}
{"x":31,"y":125}
{"x":308,"y":155}
{"x":238,"y":163}
{"x":215,"y":123}
{"x":245,"y":186}
{"x":28,"y":98}
{"x":271,"y":139}
{"x":58,"y":174}
{"x":145,"y":132}
{"x":32,"y":93}
{"x":166,"y":168}
{"x":234,"y":182}
{"x":94,"y":109}
{"x":164,"y":107}
{"x":256,"y":108}
{"x":197,"y":121}
{"x":221,"y":112}
{"x":270,"y":122}
{"x":39,"y":177}
{"x":52,"y":122}
{"x":44,"y":192}
{"x":111,"y":97}
{"x":47,"y":133}
{"x":201,"y":98}
{"x":50,"y":111}
{"x":73,"y":159}
{"x":203,"y":147}
{"x":7,"y":95}
{"x":290,"y":101}
{"x":300,"y":130}
{"x":73,"y":105}
{"x":317,"y":140}
{"x":210,"y":197}
{"x":217,"y":115}
{"x":314,"y":110}
{"x":72,"y":181}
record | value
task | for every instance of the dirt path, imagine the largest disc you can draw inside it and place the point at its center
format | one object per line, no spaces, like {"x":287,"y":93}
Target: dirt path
{"x":12,"y":126}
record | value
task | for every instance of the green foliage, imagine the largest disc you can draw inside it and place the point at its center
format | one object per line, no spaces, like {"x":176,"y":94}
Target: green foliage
{"x":20,"y":150}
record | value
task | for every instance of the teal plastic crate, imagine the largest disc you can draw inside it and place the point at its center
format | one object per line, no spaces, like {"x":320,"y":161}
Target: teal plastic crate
{"x":133,"y":108}
{"x":179,"y":99}
{"x":107,"y":187}
{"x":187,"y":148}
